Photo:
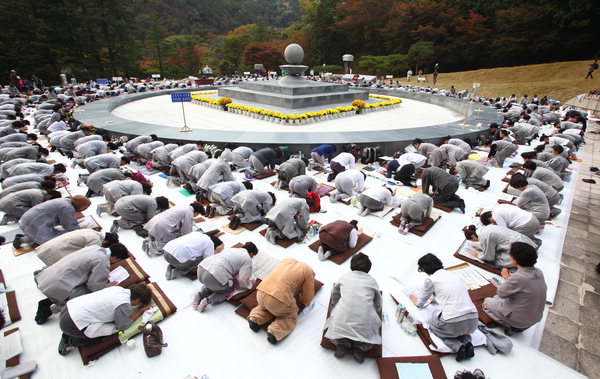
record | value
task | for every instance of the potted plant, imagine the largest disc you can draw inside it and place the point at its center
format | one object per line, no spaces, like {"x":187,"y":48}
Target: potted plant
{"x":223,"y":101}
{"x":358,"y":104}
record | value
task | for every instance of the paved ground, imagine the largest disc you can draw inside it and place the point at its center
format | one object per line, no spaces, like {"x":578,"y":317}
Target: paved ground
{"x":573,"y":326}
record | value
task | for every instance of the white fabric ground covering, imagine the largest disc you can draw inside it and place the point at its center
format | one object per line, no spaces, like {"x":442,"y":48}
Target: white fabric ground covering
{"x":219,"y":343}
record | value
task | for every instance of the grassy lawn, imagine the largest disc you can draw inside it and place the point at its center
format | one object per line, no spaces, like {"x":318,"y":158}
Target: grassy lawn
{"x":561,"y":81}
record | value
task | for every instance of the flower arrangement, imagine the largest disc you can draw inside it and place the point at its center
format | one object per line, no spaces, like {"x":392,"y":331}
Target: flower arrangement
{"x":358,"y":104}
{"x":224,"y":101}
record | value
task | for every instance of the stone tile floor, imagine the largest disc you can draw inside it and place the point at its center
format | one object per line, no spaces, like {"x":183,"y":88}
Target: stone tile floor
{"x":572,"y":332}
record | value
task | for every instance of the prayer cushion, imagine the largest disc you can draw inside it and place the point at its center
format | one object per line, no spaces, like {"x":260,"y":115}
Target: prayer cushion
{"x":419,"y":230}
{"x":285,"y":243}
{"x":387,"y":366}
{"x":14,"y":361}
{"x":136,"y":272}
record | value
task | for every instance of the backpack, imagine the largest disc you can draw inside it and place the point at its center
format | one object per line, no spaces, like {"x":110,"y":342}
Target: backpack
{"x":153,"y":339}
{"x":370,"y":155}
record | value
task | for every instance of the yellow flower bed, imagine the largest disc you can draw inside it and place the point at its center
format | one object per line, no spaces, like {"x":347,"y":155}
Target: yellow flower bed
{"x":198,"y":96}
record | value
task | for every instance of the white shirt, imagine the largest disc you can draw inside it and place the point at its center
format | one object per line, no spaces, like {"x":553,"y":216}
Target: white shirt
{"x":558,"y":141}
{"x":191,"y":246}
{"x":510,"y":216}
{"x":58,"y":125}
{"x":229,"y":263}
{"x":414,"y":158}
{"x":380,"y":193}
{"x":345,"y":159}
{"x":357,"y":178}
{"x":573,"y":132}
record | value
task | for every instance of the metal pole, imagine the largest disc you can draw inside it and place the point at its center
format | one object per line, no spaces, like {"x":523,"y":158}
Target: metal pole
{"x":185,"y":127}
{"x":467,"y":113}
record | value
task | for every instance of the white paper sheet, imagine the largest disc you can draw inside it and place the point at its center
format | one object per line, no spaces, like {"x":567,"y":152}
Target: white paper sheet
{"x":413,"y":371}
{"x":10,"y":346}
{"x":4,"y":308}
{"x":118,"y":275}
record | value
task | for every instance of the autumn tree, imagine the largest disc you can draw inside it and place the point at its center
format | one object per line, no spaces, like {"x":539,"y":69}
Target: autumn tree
{"x":266,"y":53}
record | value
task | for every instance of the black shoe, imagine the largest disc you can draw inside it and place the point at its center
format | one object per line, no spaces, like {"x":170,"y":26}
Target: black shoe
{"x":358,"y":355}
{"x":189,"y":188}
{"x":142,"y":232}
{"x":43,"y":311}
{"x":90,"y":193}
{"x":469,"y":350}
{"x":17,"y":242}
{"x":271,"y":338}
{"x":2,"y":240}
{"x":461,"y":206}
{"x":235,"y":223}
{"x":461,"y":354}
{"x":511,"y":331}
{"x":64,"y":347}
{"x":340,"y":351}
{"x":212,"y":212}
{"x":487,"y":185}
{"x":53,"y":149}
{"x":207,"y":210}
{"x":253,"y":326}
{"x":70,"y":155}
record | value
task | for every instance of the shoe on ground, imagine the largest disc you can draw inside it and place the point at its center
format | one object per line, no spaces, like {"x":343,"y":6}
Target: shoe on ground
{"x":196,"y":302}
{"x":253,"y":326}
{"x":469,"y":350}
{"x":212,"y":212}
{"x":64,"y":347}
{"x":207,"y":210}
{"x":90,"y":193}
{"x":358,"y":355}
{"x":43,"y":311}
{"x":461,"y":354}
{"x":203,"y":305}
{"x":271,"y":338}
{"x":235,"y":223}
{"x":170,"y":274}
{"x":340,"y":351}
{"x":487,"y":184}
{"x":189,"y":188}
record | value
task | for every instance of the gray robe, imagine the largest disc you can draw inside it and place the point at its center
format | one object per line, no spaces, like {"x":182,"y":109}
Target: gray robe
{"x":520,"y":300}
{"x":426,"y":149}
{"x":551,"y":194}
{"x":144,"y":150}
{"x":98,"y":179}
{"x":85,"y":139}
{"x":22,"y":179}
{"x":559,"y":165}
{"x":38,"y":223}
{"x":454,"y":154}
{"x":220,"y":195}
{"x":99,"y":162}
{"x":135,"y":210}
{"x":170,"y":224}
{"x":495,"y":244}
{"x":17,"y":203}
{"x":20,"y":187}
{"x":355,"y":304}
{"x":219,"y":171}
{"x":183,"y":165}
{"x":549,"y":177}
{"x":289,"y":169}
{"x":301,"y":185}
{"x":251,"y":205}
{"x":6,"y":167}
{"x":238,"y":157}
{"x":67,"y":141}
{"x":471,"y":173}
{"x":504,"y":150}
{"x":116,"y":189}
{"x":443,"y":183}
{"x":414,"y":208}
{"x":132,"y":144}
{"x":15,"y":137}
{"x":59,"y":247}
{"x":460,"y":143}
{"x":81,"y":272}
{"x":91,"y":148}
{"x":533,"y":200}
{"x":283,"y":221}
{"x":26,"y":152}
{"x":42,"y":169}
{"x":160,"y":155}
{"x":181,"y":151}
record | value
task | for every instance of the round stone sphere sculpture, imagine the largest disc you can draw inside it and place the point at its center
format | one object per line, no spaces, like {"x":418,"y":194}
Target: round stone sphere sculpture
{"x":294,"y":54}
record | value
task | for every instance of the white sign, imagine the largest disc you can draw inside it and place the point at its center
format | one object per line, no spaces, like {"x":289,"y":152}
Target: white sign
{"x":389,"y":76}
{"x":475,"y":85}
{"x":246,"y":72}
{"x":117,"y":79}
{"x":156,"y":75}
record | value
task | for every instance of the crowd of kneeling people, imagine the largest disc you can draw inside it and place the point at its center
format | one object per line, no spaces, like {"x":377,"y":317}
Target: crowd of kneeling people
{"x":75,"y":278}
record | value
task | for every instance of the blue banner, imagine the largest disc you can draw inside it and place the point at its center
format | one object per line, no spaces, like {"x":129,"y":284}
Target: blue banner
{"x":181,"y":97}
{"x":102,"y":81}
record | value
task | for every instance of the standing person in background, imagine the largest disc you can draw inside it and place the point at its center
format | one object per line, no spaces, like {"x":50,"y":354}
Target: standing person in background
{"x":409,"y":74}
{"x":591,"y":69}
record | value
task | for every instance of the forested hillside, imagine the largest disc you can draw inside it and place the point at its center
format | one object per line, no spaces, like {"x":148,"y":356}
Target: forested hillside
{"x":177,"y":37}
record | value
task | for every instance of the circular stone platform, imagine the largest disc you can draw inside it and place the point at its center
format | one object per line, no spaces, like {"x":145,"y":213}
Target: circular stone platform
{"x":421,"y":115}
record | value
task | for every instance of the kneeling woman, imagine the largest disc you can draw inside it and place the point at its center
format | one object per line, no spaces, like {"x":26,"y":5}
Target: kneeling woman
{"x":457,"y":318}
{"x":337,"y":237}
{"x":413,"y":210}
{"x":355,"y":305}
{"x":494,"y":242}
{"x":520,"y":300}
{"x":223,"y":273}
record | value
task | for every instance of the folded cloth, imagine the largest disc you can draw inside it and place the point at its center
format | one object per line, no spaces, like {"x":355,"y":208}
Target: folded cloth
{"x":496,"y":342}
